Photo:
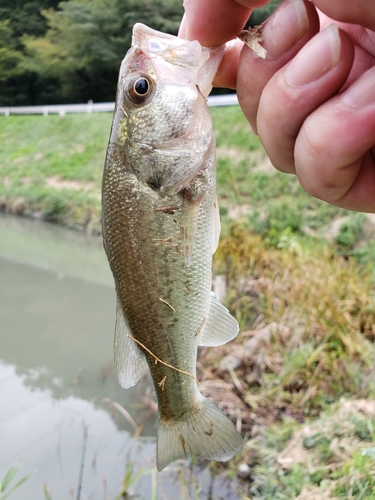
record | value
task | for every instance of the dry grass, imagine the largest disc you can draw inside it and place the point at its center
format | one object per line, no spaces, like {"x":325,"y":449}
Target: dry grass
{"x":308,"y":326}
{"x":328,"y":458}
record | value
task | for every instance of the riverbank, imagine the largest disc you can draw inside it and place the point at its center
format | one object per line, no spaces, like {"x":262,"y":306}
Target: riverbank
{"x":51,"y":168}
{"x":298,"y":277}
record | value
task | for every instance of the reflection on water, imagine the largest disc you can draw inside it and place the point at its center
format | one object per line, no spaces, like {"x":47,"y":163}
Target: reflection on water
{"x":55,"y":248}
{"x":57,"y":330}
{"x":46,"y":436}
{"x":57,"y":309}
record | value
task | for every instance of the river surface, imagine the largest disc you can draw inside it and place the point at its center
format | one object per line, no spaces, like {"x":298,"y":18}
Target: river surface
{"x":63,"y":416}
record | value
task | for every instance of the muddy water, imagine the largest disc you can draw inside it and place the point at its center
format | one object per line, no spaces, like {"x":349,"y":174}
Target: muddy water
{"x":61,"y":414}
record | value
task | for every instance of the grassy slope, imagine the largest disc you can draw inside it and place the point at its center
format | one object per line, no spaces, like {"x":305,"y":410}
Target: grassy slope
{"x":36,"y":148}
{"x":46,"y":161}
{"x":306,"y":305}
{"x":37,"y":153}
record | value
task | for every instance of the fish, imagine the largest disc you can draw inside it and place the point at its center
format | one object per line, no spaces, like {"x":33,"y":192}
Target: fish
{"x":161,"y":226}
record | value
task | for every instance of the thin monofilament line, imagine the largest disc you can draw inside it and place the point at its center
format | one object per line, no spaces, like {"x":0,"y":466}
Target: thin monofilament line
{"x":163,"y":362}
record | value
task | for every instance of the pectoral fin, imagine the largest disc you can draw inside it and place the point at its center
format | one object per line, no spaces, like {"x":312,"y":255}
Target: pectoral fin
{"x":220,"y":327}
{"x":129,"y":360}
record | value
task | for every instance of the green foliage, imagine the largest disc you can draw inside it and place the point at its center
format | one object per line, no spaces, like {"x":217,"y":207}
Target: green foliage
{"x":232,"y":129}
{"x":321,"y":304}
{"x":356,"y":479}
{"x":130,"y":479}
{"x":71,"y":51}
{"x":326,"y":304}
{"x":17,"y":85}
{"x":5,"y":484}
{"x":24,"y":16}
{"x":55,"y":208}
{"x":161,"y":15}
{"x":273,"y":204}
{"x":54,"y":165}
{"x":10,"y":57}
{"x":36,"y":147}
{"x":258,"y":16}
{"x":330,"y":457}
{"x":350,"y":232}
{"x":81,"y":50}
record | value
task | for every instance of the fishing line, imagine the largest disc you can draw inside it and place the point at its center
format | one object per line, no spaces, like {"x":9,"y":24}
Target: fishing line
{"x":163,"y":362}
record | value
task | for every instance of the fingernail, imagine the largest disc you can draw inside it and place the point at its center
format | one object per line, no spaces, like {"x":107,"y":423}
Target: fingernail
{"x":361,"y":93}
{"x":182,"y":29}
{"x":314,"y":60}
{"x":287,"y":24}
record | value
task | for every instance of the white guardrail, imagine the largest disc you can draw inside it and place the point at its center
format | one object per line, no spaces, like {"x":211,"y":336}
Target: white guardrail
{"x":95,"y":107}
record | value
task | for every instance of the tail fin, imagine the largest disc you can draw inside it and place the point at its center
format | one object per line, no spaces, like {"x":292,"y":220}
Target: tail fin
{"x":205,"y":433}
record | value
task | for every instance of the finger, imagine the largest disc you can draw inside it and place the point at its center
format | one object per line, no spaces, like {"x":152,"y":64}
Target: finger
{"x":214,"y":22}
{"x":364,"y":42}
{"x":359,"y":12}
{"x":317,"y":72}
{"x":226,"y":75}
{"x":333,"y":154}
{"x":289,"y":28}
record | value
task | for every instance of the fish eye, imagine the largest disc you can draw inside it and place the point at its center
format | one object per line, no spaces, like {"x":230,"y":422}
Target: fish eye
{"x":140,"y":88}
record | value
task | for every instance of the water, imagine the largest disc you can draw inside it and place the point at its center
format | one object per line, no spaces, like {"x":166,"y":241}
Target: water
{"x":61,"y":408}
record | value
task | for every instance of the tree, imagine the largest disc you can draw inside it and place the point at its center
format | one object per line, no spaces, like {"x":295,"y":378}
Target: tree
{"x":86,"y":40}
{"x":71,"y":51}
{"x":10,"y":57}
{"x":25,"y":17}
{"x":80,"y":51}
{"x":17,"y":18}
{"x":258,"y":16}
{"x":161,"y":15}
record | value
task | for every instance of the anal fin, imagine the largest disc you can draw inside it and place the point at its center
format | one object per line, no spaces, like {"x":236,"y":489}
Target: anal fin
{"x":220,"y":327}
{"x":129,"y":360}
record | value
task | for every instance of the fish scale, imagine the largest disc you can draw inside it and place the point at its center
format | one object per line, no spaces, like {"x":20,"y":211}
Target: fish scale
{"x":160,"y":228}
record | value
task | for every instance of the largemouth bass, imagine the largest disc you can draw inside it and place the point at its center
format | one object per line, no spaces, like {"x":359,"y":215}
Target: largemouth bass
{"x":160,"y":229}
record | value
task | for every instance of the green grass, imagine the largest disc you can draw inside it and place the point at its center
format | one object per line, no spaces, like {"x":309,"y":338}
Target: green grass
{"x":37,"y":154}
{"x":36,"y":151}
{"x":232,"y":130}
{"x":72,"y":147}
{"x":330,"y":457}
{"x":6,"y":486}
{"x":273,"y":200}
{"x":292,"y":264}
{"x":322,"y":306}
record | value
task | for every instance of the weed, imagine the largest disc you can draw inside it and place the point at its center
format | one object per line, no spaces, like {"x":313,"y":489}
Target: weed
{"x":8,"y":478}
{"x":55,"y":208}
{"x":324,"y":457}
{"x":350,"y":233}
{"x":313,"y":300}
{"x":327,"y":305}
{"x":131,"y":478}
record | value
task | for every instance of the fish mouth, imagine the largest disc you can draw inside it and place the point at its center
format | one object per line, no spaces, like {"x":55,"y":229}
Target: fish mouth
{"x":181,"y":61}
{"x":177,"y":51}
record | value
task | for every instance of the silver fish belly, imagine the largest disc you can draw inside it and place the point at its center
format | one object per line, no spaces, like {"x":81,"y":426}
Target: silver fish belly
{"x":160,"y":229}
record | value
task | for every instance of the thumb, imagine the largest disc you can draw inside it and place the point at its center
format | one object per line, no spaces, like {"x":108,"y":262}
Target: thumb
{"x":214,"y":22}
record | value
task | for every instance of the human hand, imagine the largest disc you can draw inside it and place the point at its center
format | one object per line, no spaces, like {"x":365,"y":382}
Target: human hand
{"x":312,"y":100}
